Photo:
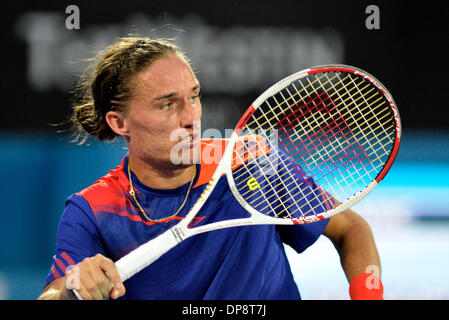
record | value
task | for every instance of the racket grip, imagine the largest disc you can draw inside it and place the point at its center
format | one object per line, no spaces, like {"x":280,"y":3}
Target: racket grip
{"x":145,"y":255}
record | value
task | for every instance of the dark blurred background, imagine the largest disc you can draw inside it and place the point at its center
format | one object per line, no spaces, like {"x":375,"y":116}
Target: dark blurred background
{"x":238,"y":49}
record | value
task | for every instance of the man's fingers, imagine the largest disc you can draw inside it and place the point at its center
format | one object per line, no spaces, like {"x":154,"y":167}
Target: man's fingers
{"x":83,"y":293}
{"x":97,"y":278}
{"x":100,"y":280}
{"x":118,"y":289}
{"x":90,"y":285}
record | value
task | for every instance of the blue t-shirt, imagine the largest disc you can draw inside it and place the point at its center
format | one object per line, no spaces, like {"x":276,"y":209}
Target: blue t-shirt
{"x":238,"y":263}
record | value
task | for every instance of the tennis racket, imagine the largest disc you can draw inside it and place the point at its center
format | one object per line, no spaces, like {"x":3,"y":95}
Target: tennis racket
{"x":308,"y":148}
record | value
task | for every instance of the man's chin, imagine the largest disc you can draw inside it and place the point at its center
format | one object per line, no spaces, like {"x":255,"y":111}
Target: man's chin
{"x":186,"y":157}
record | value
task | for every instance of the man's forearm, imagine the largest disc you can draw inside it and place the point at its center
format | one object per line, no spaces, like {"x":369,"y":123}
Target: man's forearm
{"x":358,"y":252}
{"x":51,"y":294}
{"x":56,"y":290}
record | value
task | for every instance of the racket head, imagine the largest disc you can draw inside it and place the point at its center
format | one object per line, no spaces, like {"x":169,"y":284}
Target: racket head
{"x":313,"y":144}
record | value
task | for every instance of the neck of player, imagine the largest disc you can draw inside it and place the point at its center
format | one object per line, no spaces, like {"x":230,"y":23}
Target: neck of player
{"x":158,"y":176}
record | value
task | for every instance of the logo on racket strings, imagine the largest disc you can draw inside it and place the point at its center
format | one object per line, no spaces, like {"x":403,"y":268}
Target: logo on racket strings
{"x":252,"y":184}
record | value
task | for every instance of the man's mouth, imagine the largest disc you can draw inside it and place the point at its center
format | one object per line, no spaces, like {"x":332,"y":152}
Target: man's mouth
{"x":188,"y":141}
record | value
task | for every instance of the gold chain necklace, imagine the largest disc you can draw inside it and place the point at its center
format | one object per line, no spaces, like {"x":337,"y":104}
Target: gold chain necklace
{"x":133,"y":194}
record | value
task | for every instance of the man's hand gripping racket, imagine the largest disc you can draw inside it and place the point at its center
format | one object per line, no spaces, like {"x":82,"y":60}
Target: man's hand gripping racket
{"x":308,"y":148}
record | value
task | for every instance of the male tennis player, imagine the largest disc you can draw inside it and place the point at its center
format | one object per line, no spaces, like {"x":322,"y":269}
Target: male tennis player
{"x":144,"y":90}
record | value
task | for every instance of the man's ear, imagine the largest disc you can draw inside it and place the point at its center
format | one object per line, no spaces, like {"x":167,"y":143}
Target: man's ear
{"x":117,"y":122}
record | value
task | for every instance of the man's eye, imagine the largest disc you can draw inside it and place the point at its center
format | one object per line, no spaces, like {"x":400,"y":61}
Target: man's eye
{"x":195,"y":98}
{"x":166,"y":106}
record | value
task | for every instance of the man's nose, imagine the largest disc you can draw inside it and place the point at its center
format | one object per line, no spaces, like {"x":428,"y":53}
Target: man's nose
{"x":191,"y":112}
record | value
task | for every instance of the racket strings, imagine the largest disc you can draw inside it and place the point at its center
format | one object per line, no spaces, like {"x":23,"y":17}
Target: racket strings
{"x":307,"y":195}
{"x":280,"y":106}
{"x":291,"y":142}
{"x":349,"y":145}
{"x":300,"y":188}
{"x":247,"y":127}
{"x":300,"y":137}
{"x":362,"y":114}
{"x":313,"y":128}
{"x":307,"y":126}
{"x":292,"y":96}
{"x":308,"y":121}
{"x":283,"y":188}
{"x":356,"y":155}
{"x":312,"y":209}
{"x":334,"y":122}
{"x":366,"y":155}
{"x":368,"y":142}
{"x":267,"y":199}
{"x":244,"y":164}
{"x":285,"y":212}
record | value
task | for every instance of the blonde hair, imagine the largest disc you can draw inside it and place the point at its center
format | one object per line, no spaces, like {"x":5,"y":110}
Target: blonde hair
{"x":108,"y":83}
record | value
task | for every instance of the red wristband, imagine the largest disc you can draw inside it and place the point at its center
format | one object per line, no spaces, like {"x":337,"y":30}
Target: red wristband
{"x":366,"y":286}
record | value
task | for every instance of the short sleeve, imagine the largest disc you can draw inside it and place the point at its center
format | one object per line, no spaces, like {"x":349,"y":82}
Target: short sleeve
{"x":77,"y":237}
{"x":300,"y":237}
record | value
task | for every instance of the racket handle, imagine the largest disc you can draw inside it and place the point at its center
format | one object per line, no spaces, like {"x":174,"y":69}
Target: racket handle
{"x":145,"y":255}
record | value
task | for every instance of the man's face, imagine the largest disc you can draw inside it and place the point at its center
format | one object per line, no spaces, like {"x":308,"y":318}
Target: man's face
{"x":163,"y":113}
